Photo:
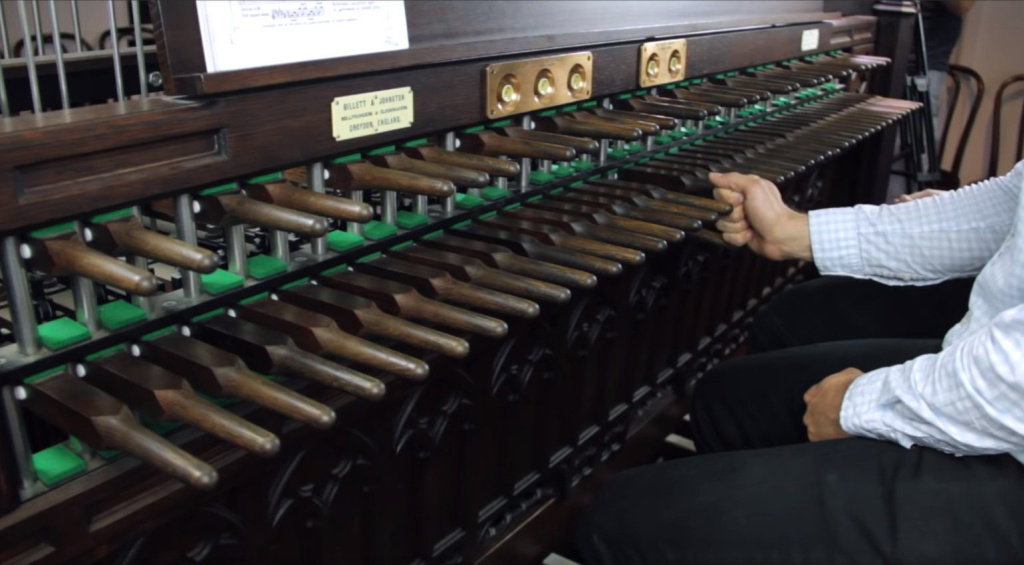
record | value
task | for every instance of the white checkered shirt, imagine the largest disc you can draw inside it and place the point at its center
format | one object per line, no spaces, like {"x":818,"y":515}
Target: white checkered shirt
{"x":967,"y":399}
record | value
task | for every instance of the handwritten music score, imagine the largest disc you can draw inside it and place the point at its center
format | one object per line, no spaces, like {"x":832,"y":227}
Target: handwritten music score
{"x":245,"y":34}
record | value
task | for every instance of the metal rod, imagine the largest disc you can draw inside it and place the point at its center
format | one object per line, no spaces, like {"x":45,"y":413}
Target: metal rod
{"x":237,"y":253}
{"x":602,"y":155}
{"x":5,"y":107}
{"x":33,"y":76}
{"x":388,"y":207}
{"x":77,"y":23}
{"x":448,"y":204}
{"x":19,"y":441}
{"x":40,"y":44}
{"x":140,"y":262}
{"x":116,"y":48}
{"x":5,"y":43}
{"x":524,"y":163}
{"x":62,"y":77}
{"x":19,"y":299}
{"x":185,"y":229}
{"x":355,"y":227}
{"x":84,"y":292}
{"x":315,"y":173}
{"x":279,"y":246}
{"x":419,"y":205}
{"x":140,"y":57}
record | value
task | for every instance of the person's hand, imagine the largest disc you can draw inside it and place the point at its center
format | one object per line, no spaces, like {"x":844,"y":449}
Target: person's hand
{"x":824,"y":402}
{"x":918,"y":195}
{"x":760,"y":219}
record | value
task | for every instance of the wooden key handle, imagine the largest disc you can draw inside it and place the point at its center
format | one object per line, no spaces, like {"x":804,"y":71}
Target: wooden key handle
{"x":494,"y":144}
{"x":128,"y":236}
{"x":490,"y":165}
{"x":69,"y":255}
{"x":302,"y":364}
{"x":579,"y":144}
{"x":460,"y":176}
{"x":363,"y":175}
{"x":162,"y":395}
{"x":104,"y":422}
{"x":231,"y":209}
{"x":284,"y":194}
{"x":587,"y":128}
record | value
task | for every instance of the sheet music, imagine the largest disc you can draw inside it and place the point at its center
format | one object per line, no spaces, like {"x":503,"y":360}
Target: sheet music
{"x":244,"y":34}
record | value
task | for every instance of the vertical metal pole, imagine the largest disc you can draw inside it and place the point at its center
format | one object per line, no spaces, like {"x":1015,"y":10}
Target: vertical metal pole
{"x":355,"y":227}
{"x":5,"y":43}
{"x":279,"y":246}
{"x":116,"y":48}
{"x":33,"y":76}
{"x":315,"y":173}
{"x":237,"y":253}
{"x":5,"y":107}
{"x":40,"y":44}
{"x":77,"y":24}
{"x":19,"y":441}
{"x":140,"y":56}
{"x":185,"y":228}
{"x":139,"y":262}
{"x":448,"y":204}
{"x":19,"y":299}
{"x":388,"y":207}
{"x":84,"y":292}
{"x":524,"y":163}
{"x":62,"y":77}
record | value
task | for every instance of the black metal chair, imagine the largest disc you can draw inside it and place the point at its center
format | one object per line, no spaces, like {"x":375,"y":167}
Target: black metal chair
{"x":67,"y":44}
{"x":965,"y":80}
{"x":997,"y":111}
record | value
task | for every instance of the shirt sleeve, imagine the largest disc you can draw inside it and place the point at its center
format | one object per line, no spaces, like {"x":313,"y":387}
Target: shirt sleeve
{"x":966,"y":400}
{"x":920,"y":242}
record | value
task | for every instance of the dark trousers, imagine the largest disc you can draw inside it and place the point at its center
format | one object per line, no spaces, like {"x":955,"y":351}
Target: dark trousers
{"x":759,"y":493}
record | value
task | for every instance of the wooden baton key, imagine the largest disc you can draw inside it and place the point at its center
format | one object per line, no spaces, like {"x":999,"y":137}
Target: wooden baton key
{"x":459,"y":176}
{"x":494,"y":144}
{"x":226,"y":210}
{"x":436,"y":283}
{"x":272,"y":352}
{"x":104,"y":422}
{"x":490,"y":165}
{"x":599,"y":128}
{"x":126,"y":236}
{"x":161,"y":395}
{"x":361,"y":316}
{"x":289,"y":196}
{"x":560,"y":238}
{"x":651,"y":191}
{"x":403,"y":300}
{"x":319,"y":334}
{"x":65,"y":255}
{"x":535,"y":248}
{"x":473,"y":271}
{"x":663,"y":122}
{"x":685,"y":210}
{"x":634,"y":122}
{"x":578,"y":144}
{"x":615,"y":216}
{"x":216,"y":372}
{"x":364,"y":175}
{"x":605,"y":234}
{"x":503,"y":258}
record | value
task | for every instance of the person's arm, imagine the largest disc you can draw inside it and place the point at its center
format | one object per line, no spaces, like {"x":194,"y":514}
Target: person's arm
{"x":919,"y":242}
{"x":966,"y":400}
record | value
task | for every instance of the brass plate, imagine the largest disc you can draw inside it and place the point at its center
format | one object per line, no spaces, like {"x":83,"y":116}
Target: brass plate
{"x":662,"y":62}
{"x":522,"y":86}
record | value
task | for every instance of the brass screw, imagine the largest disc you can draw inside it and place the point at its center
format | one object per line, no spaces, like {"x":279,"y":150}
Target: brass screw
{"x":652,"y":67}
{"x":544,"y":86}
{"x":576,"y":81}
{"x":508,"y":93}
{"x":674,"y":64}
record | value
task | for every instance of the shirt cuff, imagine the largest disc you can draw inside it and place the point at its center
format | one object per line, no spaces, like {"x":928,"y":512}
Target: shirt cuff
{"x":865,"y":405}
{"x":835,"y":241}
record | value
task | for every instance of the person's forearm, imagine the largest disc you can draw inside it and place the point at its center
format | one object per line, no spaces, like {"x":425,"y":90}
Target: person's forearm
{"x":795,"y":239}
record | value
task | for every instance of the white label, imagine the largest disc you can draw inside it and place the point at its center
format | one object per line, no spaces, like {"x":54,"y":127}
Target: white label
{"x":244,"y":34}
{"x":809,"y":40}
{"x":372,"y":112}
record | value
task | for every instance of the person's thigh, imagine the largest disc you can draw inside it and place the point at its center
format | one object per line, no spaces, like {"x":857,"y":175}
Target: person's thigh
{"x":843,"y":308}
{"x":757,"y":400}
{"x":843,"y":501}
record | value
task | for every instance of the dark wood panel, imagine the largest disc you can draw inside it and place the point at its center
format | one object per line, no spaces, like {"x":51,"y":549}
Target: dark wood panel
{"x":268,"y":130}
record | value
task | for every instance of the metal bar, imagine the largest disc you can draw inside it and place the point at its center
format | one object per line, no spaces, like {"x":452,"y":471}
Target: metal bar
{"x":40,"y":44}
{"x":388,"y":207}
{"x":33,"y":76}
{"x":448,"y":204}
{"x":5,"y":107}
{"x":279,"y":245}
{"x":84,"y":292}
{"x":77,"y":23}
{"x":140,"y":262}
{"x":139,"y":55}
{"x":116,"y":48}
{"x":355,"y":227}
{"x":237,"y":253}
{"x":5,"y":43}
{"x":524,"y":163}
{"x":315,"y":172}
{"x":19,"y":439}
{"x":419,"y":205}
{"x":19,"y":299}
{"x":58,"y":50}
{"x":185,"y":229}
